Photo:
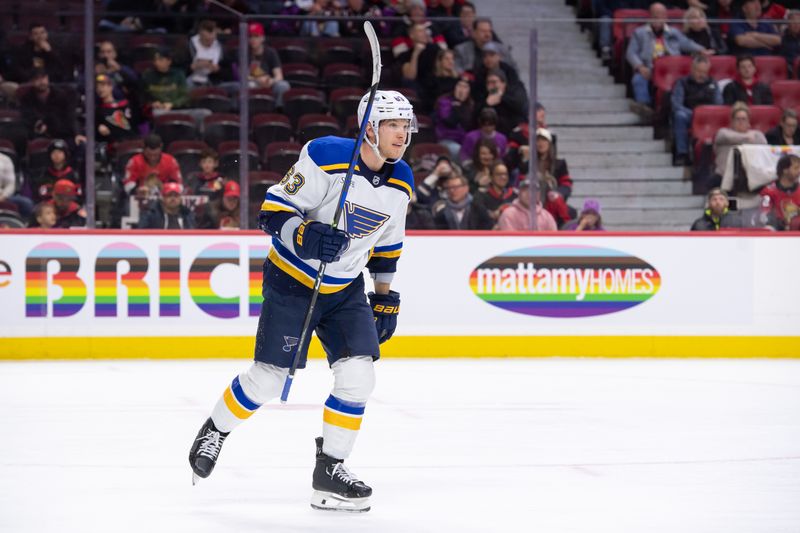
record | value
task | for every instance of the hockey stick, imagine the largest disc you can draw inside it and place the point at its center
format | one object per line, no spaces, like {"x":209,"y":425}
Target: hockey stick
{"x":305,"y":334}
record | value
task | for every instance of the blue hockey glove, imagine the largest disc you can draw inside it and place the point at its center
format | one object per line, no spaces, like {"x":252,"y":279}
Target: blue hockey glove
{"x":385,"y":308}
{"x":315,"y":240}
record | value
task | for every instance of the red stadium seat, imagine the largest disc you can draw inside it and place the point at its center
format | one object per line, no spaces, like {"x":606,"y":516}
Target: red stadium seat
{"x":7,"y":148}
{"x":188,"y":154}
{"x":335,"y":50}
{"x":123,"y":151}
{"x":771,"y":68}
{"x":271,"y":127}
{"x":723,"y":67}
{"x":666,"y":71}
{"x":786,"y":94}
{"x":212,"y":98}
{"x":764,"y":117}
{"x":796,"y":67}
{"x":336,"y":75}
{"x":298,"y":102}
{"x":427,"y":132}
{"x":13,"y":129}
{"x":176,"y":127}
{"x":344,"y":102}
{"x":293,"y":50}
{"x":315,"y":125}
{"x":419,"y":150}
{"x":260,"y":101}
{"x":230,"y":155}
{"x":219,"y":127}
{"x":301,"y":74}
{"x":706,"y":121}
{"x":279,"y":157}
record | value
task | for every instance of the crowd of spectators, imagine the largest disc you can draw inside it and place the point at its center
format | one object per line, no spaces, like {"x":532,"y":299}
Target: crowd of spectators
{"x":168,"y":71}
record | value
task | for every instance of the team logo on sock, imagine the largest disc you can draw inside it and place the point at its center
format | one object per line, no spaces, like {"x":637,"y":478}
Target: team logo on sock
{"x":291,"y":342}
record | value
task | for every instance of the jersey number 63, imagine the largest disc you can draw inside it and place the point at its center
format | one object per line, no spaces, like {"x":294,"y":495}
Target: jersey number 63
{"x":292,"y":181}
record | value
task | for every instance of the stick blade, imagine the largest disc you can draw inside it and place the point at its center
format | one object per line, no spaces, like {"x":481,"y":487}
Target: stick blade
{"x":375,"y":46}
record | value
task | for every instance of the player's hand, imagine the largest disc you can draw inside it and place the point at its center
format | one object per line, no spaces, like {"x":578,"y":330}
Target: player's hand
{"x":385,"y":308}
{"x":315,"y":240}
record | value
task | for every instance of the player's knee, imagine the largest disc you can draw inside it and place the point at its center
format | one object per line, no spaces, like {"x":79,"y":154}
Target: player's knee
{"x":354,"y":379}
{"x":263,"y":382}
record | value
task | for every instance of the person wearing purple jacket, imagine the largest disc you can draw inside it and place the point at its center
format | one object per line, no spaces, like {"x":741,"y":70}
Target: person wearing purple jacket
{"x":453,"y":116}
{"x":487,"y":129}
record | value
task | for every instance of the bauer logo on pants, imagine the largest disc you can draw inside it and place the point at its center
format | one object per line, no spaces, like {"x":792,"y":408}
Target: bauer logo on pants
{"x":564,"y":281}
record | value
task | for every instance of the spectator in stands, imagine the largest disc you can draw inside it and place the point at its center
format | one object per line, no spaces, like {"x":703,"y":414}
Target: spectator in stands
{"x":466,"y":20}
{"x":517,"y":216}
{"x":414,"y":68}
{"x":450,"y":29}
{"x":115,"y":119}
{"x":784,"y":193}
{"x":68,"y":212}
{"x":696,"y":28}
{"x":454,"y":114}
{"x":169,"y":213}
{"x":555,"y":183}
{"x":541,"y":116}
{"x":38,"y":54}
{"x":491,"y":61}
{"x":716,"y":215}
{"x":50,"y":111}
{"x":785,"y":133}
{"x":59,"y":169}
{"x":468,"y":53}
{"x":207,"y":181}
{"x":265,"y":65}
{"x":221,"y":212}
{"x":753,"y":36}
{"x":430,"y":190}
{"x":723,"y":10}
{"x":790,"y":42}
{"x":745,"y":87}
{"x":320,"y":27}
{"x":164,"y":87}
{"x":225,"y":22}
{"x":126,"y":81}
{"x":418,"y":216}
{"x":649,"y":42}
{"x":150,"y":169}
{"x":498,"y":195}
{"x":589,"y":218}
{"x":698,"y":88}
{"x":604,"y":11}
{"x":478,"y":170}
{"x":458,"y":210}
{"x":509,"y":101}
{"x":487,"y":129}
{"x":445,"y":74}
{"x":122,"y":23}
{"x":8,"y":186}
{"x":206,"y":53}
{"x":738,"y":133}
{"x":44,"y":216}
{"x":356,"y":8}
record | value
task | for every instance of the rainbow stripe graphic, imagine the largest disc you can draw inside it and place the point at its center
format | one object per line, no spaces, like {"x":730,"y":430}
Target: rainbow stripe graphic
{"x":200,"y":280}
{"x":105,"y":280}
{"x":565,"y":281}
{"x":169,"y":280}
{"x":73,"y":288}
{"x":258,"y":254}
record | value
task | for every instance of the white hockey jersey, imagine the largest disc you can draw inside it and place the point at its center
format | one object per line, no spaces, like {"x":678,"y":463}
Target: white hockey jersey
{"x":374,"y":214}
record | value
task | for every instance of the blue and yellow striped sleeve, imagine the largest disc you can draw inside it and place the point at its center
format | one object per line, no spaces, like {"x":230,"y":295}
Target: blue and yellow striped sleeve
{"x":384,"y":258}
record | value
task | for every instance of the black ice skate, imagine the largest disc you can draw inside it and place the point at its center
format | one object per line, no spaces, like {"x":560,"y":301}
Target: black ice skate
{"x":335,"y":487}
{"x":205,"y":450}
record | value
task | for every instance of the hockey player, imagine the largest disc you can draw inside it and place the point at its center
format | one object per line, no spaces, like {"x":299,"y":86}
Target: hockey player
{"x":297,"y":213}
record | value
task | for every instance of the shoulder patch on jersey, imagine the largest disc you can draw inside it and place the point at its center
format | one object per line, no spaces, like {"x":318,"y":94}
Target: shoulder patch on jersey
{"x":402,"y":178}
{"x":330,"y":153}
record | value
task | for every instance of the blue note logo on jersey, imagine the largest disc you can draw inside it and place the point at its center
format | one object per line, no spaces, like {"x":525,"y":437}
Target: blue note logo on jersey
{"x":360,"y":221}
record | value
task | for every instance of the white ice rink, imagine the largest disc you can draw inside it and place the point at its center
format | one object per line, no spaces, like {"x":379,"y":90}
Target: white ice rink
{"x":554,"y":445}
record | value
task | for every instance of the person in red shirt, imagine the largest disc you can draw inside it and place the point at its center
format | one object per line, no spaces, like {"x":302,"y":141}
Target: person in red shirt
{"x":784,"y":193}
{"x":151,"y":169}
{"x":68,"y":212}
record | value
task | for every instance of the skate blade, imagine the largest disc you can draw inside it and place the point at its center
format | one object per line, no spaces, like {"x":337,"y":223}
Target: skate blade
{"x":328,"y":501}
{"x":195,"y":479}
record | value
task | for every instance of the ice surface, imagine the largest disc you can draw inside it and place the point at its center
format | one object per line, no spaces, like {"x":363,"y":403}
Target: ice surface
{"x":494,"y":445}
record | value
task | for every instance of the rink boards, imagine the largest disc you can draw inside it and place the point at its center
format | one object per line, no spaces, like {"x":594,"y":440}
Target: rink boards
{"x":123,"y":294}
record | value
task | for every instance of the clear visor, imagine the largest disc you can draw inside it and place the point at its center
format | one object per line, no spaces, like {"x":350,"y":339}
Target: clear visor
{"x":408,"y":126}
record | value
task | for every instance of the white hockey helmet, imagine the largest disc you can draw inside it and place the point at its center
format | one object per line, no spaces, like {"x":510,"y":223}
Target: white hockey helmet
{"x":387,"y":105}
